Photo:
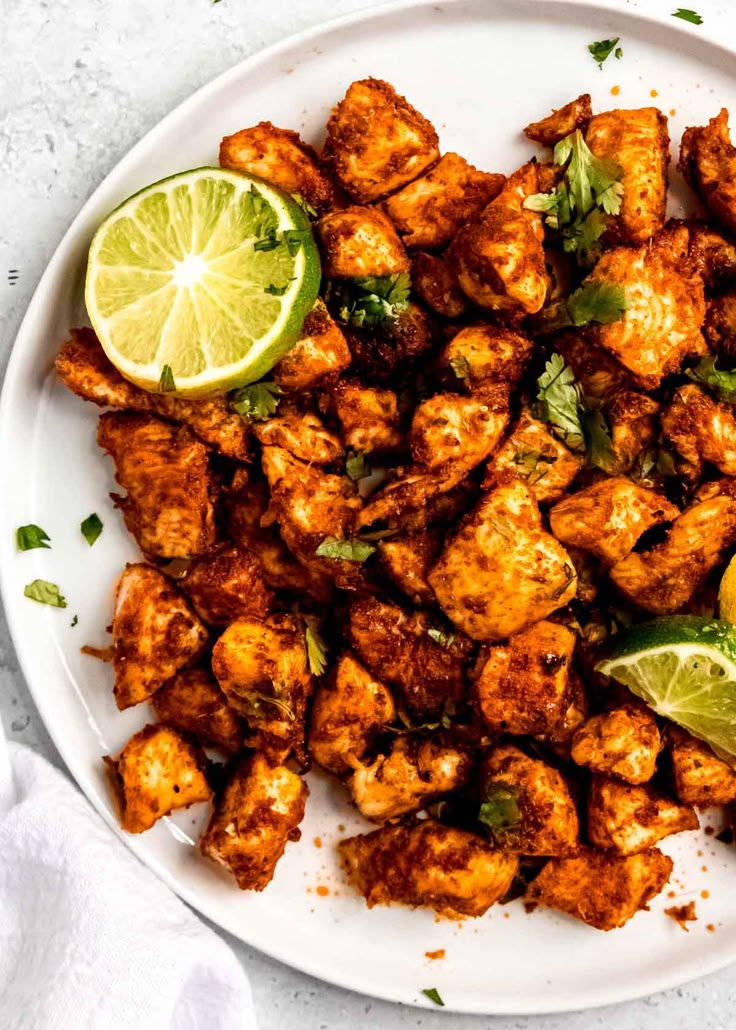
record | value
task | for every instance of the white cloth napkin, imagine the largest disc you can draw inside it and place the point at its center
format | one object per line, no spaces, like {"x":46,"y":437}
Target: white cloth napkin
{"x":89,"y":938}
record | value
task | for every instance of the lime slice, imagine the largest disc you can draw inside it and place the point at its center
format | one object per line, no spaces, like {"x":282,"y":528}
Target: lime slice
{"x":208,"y":274}
{"x":684,"y":667}
{"x":727,"y":593}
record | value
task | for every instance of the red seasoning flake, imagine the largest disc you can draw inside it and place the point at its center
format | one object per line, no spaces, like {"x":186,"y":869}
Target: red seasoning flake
{"x":682,"y":914}
{"x":439,"y":953}
{"x":323,"y":891}
{"x":710,"y":928}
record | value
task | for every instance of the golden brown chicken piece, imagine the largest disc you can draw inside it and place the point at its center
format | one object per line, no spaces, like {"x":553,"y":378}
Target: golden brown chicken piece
{"x":165,"y":470}
{"x":320,"y":352}
{"x":84,"y":368}
{"x":356,"y":242}
{"x":632,"y":419}
{"x":392,"y":348}
{"x":429,"y":211}
{"x":226,"y":586}
{"x":434,"y":281}
{"x":407,"y":561}
{"x":450,"y":428}
{"x":377,"y":142}
{"x":157,"y":771}
{"x":281,"y":158}
{"x":484,"y":356}
{"x":719,"y":327}
{"x":523,"y":685}
{"x":701,"y":777}
{"x":499,"y":258}
{"x":703,"y":249}
{"x":192,"y":702}
{"x":664,"y":579}
{"x":154,"y":634}
{"x":608,"y":517}
{"x":708,"y":162}
{"x":550,"y":130}
{"x":623,"y":742}
{"x":368,"y":415}
{"x":449,"y":870}
{"x":258,"y":814}
{"x":349,"y":710}
{"x":398,"y":648}
{"x":416,"y":498}
{"x":527,"y":805}
{"x":414,"y":772}
{"x":639,"y":143}
{"x":536,"y":457}
{"x":663,"y":318}
{"x":597,"y":371}
{"x":701,"y":429}
{"x":301,"y":433}
{"x":601,"y":888}
{"x":502,"y":571}
{"x":630,"y":819}
{"x":261,"y":666}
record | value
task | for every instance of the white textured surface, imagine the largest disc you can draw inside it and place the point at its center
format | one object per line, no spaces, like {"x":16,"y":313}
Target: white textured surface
{"x":81,"y":81}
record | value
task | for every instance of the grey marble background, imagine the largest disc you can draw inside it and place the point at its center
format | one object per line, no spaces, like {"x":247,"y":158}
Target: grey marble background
{"x":80,"y":82}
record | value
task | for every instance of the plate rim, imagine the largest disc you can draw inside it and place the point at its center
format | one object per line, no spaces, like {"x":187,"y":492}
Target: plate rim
{"x":14,"y":368}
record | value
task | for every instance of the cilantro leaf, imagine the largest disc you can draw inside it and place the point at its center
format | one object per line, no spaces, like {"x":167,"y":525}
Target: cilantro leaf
{"x":461,"y":367}
{"x":45,"y":593}
{"x":528,"y":465}
{"x":593,"y":302}
{"x":166,"y":383}
{"x":618,"y":53}
{"x":500,"y":810}
{"x":316,"y":648}
{"x":600,"y":452}
{"x":294,"y":238}
{"x":718,"y":381}
{"x":692,"y":16}
{"x":602,"y":49}
{"x":369,"y":301}
{"x":74,"y":621}
{"x":30,"y":537}
{"x":257,"y":402}
{"x":305,"y":205}
{"x":433,"y":994}
{"x":91,"y":528}
{"x":347,"y":550}
{"x":268,"y":242}
{"x":445,"y":639}
{"x":356,"y":466}
{"x":559,"y":400}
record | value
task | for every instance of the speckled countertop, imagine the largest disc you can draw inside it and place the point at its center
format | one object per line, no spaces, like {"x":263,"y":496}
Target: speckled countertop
{"x":80,"y":82}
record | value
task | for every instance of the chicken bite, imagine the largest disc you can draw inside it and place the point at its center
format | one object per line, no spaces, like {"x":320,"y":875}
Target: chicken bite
{"x":377,"y":142}
{"x":484,"y":356}
{"x":258,"y":814}
{"x":434,"y":281}
{"x":704,"y":250}
{"x":192,"y":702}
{"x":226,"y":586}
{"x":632,"y":419}
{"x":701,"y":429}
{"x":523,"y":685}
{"x":281,"y":158}
{"x":429,"y":211}
{"x":394,"y":348}
{"x":349,"y":710}
{"x":631,"y":819}
{"x":157,"y":771}
{"x":154,"y":634}
{"x":357,"y":242}
{"x":601,"y":888}
{"x":708,"y":162}
{"x":407,"y":560}
{"x":428,"y":864}
{"x":450,"y":428}
{"x":368,"y":415}
{"x":532,"y":454}
{"x":623,"y":742}
{"x":597,"y":371}
{"x":527,"y":805}
{"x":502,"y":571}
{"x":550,"y":130}
{"x":320,"y":352}
{"x":165,"y":469}
{"x":719,"y":327}
{"x":301,"y":433}
{"x":701,"y":777}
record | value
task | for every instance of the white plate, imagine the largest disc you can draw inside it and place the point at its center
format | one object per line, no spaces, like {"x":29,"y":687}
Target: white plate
{"x":480,"y":71}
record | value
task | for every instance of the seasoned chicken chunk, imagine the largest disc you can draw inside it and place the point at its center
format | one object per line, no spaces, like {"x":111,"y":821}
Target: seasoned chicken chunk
{"x":701,"y":777}
{"x":639,"y":143}
{"x":608,"y":517}
{"x":357,"y":242}
{"x":601,"y":888}
{"x":449,"y":870}
{"x":301,"y":433}
{"x":537,"y":457}
{"x":664,"y":579}
{"x":407,"y":560}
{"x":501,"y":571}
{"x":623,"y":742}
{"x":550,"y":130}
{"x":368,"y":415}
{"x":377,"y":142}
{"x":499,"y":258}
{"x":258,"y":814}
{"x":719,"y":327}
{"x":527,"y":805}
{"x":523,"y":685}
{"x":349,"y":710}
{"x":261,"y":666}
{"x":632,"y":419}
{"x":382,"y":353}
{"x":450,"y":427}
{"x":83,"y":366}
{"x":708,"y":162}
{"x":280,"y":157}
{"x":703,"y":249}
{"x":631,"y":819}
{"x":398,"y":648}
{"x":414,"y":772}
{"x":226,"y":586}
{"x":192,"y":702}
{"x":154,"y":634}
{"x":663,"y":318}
{"x":597,"y":371}
{"x":483,"y":356}
{"x":416,"y":498}
{"x":429,"y":211}
{"x":165,"y":470}
{"x":701,"y":429}
{"x":157,"y":771}
{"x":434,"y":281}
{"x":320,"y":351}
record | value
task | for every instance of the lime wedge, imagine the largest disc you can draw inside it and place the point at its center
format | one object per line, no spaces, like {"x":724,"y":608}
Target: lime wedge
{"x":684,"y":667}
{"x":205,"y":277}
{"x":727,"y":593}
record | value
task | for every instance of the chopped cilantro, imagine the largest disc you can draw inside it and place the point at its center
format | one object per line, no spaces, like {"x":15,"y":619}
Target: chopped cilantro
{"x":370,"y":301}
{"x":718,"y":381}
{"x":356,"y":467}
{"x":347,"y":550}
{"x":433,"y":994}
{"x":30,"y":537}
{"x":269,"y":242}
{"x":528,"y":464}
{"x":45,"y":593}
{"x":602,"y":49}
{"x":500,"y":810}
{"x":561,"y":404}
{"x":278,"y":291}
{"x":692,"y":16}
{"x":91,"y":528}
{"x":294,"y":238}
{"x":316,"y":648}
{"x":257,"y":402}
{"x":618,"y":53}
{"x":445,"y":639}
{"x":305,"y":205}
{"x":166,"y":383}
{"x":74,"y":621}
{"x":593,"y":302}
{"x":598,"y":438}
{"x":461,"y":367}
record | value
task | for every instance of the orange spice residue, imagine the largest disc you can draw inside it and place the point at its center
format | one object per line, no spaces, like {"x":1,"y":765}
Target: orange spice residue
{"x":673,"y":112}
{"x":318,"y":842}
{"x":704,"y":868}
{"x":710,"y":928}
{"x":529,"y":906}
{"x":682,"y":914}
{"x":323,"y":891}
{"x":705,"y":894}
{"x":615,"y":90}
{"x":653,"y":93}
{"x":671,"y":894}
{"x":506,"y":915}
{"x":439,"y":953}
